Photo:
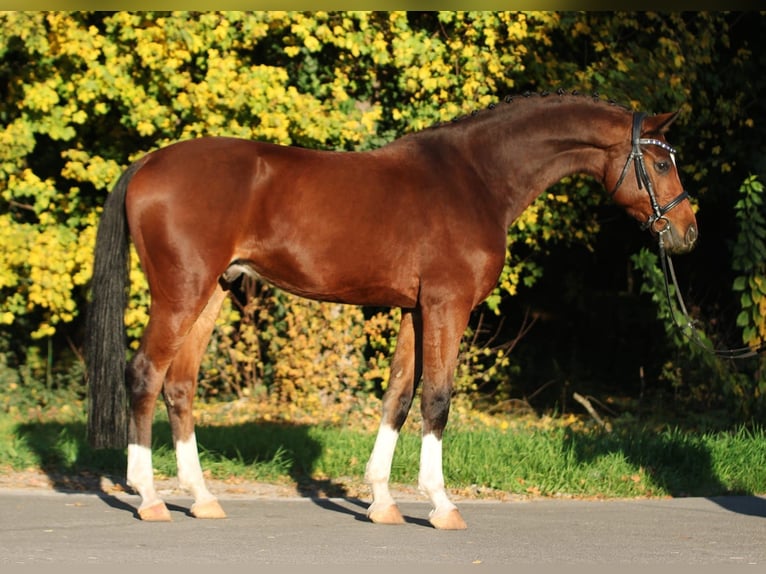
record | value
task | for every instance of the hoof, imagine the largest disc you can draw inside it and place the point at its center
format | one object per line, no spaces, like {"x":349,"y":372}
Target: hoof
{"x":388,"y":515}
{"x":448,"y":521}
{"x":157,"y":512}
{"x":209,"y":509}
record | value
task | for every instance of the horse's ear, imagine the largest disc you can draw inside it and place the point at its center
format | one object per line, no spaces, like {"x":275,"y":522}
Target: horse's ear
{"x":660,"y":123}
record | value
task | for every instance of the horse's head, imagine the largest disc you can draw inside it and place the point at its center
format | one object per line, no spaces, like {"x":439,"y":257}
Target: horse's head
{"x":652,"y":192}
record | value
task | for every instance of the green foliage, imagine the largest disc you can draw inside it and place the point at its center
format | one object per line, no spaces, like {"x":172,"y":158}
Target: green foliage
{"x":749,"y":259}
{"x":697,"y":374}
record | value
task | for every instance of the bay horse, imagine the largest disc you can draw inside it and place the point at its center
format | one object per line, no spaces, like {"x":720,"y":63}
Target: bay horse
{"x":420,"y":224}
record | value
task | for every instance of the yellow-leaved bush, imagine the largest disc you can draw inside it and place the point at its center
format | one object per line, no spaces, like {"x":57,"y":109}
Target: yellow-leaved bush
{"x":87,"y":93}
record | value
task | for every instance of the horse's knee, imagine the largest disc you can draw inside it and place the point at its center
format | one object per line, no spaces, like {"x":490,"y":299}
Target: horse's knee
{"x":434,"y":407}
{"x":396,"y":406}
{"x":401,"y":409}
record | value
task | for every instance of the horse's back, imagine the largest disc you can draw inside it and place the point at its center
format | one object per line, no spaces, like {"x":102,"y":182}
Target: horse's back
{"x":295,"y":216}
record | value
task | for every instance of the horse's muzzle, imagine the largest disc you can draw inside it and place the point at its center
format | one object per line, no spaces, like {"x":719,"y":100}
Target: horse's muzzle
{"x":677,"y":244}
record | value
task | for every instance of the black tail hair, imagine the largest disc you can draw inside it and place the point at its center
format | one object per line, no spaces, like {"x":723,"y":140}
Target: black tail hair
{"x":105,"y":340}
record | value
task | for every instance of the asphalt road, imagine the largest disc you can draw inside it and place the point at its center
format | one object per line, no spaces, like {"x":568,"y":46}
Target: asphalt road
{"x":42,"y":527}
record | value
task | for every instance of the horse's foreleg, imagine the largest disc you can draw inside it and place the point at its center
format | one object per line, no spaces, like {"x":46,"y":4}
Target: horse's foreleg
{"x":443,"y":328}
{"x":406,"y":369}
{"x":179,"y":390}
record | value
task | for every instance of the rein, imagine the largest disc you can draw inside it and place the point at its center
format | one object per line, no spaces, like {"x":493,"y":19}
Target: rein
{"x":670,"y":275}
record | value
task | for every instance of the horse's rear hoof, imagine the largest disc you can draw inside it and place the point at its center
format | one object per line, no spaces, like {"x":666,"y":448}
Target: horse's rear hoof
{"x":451,"y":520}
{"x":157,"y":512}
{"x":209,"y":509}
{"x":388,"y":515}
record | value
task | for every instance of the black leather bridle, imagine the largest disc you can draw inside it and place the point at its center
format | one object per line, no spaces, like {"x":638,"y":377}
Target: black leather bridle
{"x":642,"y":176}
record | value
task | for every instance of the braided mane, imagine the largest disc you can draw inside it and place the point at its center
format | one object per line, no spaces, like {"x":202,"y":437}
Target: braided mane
{"x":511,"y":98}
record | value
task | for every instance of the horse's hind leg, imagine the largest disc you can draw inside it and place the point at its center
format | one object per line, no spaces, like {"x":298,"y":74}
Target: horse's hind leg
{"x":162,"y":340}
{"x":405,"y":373}
{"x":144,"y":376}
{"x":179,"y":390}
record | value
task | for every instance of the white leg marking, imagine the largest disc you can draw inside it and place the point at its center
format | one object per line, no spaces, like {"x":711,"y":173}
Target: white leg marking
{"x":378,"y":469}
{"x":431,"y":478}
{"x":140,"y":474}
{"x":190,"y":470}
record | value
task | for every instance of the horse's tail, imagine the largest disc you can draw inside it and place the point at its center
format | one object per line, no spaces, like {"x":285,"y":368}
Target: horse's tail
{"x":105,"y":340}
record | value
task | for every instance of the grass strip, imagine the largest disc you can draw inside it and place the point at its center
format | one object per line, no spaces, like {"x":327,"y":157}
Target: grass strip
{"x":558,"y":461}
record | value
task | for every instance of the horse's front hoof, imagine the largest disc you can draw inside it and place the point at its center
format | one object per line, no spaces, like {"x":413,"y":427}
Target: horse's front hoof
{"x":451,"y":520}
{"x":157,"y":512}
{"x":388,"y":515}
{"x":209,"y":509}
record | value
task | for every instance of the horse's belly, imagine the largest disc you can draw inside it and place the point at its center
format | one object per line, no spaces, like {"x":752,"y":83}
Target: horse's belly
{"x":353,"y":285}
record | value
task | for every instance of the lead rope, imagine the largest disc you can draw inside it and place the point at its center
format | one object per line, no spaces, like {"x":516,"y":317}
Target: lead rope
{"x":670,"y":275}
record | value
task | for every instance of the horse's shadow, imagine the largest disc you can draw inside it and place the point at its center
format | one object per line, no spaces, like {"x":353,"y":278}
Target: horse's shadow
{"x":344,"y":507}
{"x":72,"y":466}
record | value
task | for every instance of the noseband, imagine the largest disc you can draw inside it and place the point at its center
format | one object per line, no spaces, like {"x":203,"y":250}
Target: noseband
{"x":642,"y":176}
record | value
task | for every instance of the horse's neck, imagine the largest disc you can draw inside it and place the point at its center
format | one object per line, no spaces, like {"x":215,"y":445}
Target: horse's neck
{"x":521,"y":153}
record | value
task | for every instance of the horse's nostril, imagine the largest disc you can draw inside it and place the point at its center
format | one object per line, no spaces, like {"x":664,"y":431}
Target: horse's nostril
{"x":691,"y":235}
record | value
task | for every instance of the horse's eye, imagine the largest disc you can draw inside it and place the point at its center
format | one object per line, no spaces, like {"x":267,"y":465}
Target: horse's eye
{"x":662,"y":166}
